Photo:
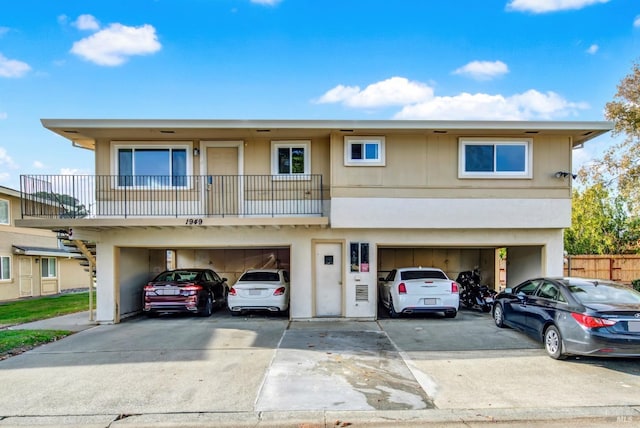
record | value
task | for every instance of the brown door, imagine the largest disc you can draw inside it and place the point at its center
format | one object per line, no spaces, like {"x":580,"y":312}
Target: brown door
{"x":223,"y":184}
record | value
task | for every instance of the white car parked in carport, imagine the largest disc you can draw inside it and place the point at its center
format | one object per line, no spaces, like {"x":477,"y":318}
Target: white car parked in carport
{"x":260,"y":290}
{"x":419,"y":290}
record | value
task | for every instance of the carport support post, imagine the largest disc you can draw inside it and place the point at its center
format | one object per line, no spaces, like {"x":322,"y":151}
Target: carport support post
{"x":91,"y":314}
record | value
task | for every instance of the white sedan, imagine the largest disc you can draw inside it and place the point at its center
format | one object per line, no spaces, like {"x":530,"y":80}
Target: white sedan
{"x":260,"y":290}
{"x":419,"y":290}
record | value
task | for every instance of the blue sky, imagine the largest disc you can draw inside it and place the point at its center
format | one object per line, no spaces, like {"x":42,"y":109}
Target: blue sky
{"x":302,"y":59}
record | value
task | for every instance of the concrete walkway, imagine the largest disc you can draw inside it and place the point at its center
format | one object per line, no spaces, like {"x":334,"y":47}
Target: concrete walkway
{"x":258,"y":371}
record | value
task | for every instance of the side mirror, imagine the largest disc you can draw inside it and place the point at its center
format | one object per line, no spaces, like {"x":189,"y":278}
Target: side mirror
{"x":224,"y":279}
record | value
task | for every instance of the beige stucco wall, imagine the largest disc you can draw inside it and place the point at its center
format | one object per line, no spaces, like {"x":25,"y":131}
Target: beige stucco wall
{"x":426,"y":166}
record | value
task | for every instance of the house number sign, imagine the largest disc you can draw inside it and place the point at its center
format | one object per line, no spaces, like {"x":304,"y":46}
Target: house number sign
{"x":193,"y":222}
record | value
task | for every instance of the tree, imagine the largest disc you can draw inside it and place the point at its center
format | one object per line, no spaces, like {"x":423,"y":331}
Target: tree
{"x":620,"y":165}
{"x":606,"y":212}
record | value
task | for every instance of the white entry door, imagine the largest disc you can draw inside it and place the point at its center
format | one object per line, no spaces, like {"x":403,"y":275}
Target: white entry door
{"x":328,"y":292}
{"x":26,"y":276}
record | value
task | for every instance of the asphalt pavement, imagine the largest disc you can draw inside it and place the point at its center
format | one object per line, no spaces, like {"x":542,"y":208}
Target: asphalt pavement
{"x":264,"y":371}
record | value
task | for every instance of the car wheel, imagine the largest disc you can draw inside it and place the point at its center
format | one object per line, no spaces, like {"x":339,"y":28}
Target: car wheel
{"x":151,"y":314}
{"x":450,"y":314}
{"x":208,"y":307}
{"x":236,"y":313}
{"x":498,"y":315}
{"x":392,"y":309}
{"x":553,"y":343}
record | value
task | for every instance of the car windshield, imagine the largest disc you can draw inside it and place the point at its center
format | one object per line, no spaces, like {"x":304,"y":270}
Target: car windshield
{"x":260,"y":276}
{"x":177,"y":276}
{"x":604,"y":293}
{"x":422,"y":274}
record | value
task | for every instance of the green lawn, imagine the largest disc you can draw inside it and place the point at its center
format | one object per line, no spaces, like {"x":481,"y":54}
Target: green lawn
{"x":39,"y":308}
{"x":13,"y":342}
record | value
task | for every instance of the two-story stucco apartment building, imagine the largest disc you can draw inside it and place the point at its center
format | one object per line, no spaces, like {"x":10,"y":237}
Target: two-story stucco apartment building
{"x":32,"y":261}
{"x":339,"y":203}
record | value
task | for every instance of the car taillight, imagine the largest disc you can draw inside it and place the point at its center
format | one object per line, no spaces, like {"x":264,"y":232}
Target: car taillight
{"x":279,"y":291}
{"x":454,"y":287}
{"x":232,"y":292}
{"x":149,"y":288}
{"x":402,"y":289}
{"x":191,"y":289}
{"x":592,"y":322}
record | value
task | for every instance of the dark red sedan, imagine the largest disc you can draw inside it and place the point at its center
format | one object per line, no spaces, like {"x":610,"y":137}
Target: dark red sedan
{"x":196,"y":291}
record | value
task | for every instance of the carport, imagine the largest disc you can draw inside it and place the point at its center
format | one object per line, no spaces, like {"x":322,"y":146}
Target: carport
{"x":136,"y":266}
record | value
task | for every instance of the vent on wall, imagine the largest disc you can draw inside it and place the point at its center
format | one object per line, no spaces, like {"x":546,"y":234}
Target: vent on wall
{"x":362,"y":293}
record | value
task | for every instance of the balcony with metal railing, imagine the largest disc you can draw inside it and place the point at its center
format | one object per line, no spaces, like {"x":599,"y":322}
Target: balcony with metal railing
{"x":154,"y":196}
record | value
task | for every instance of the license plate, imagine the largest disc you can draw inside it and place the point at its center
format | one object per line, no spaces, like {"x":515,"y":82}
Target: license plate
{"x":633,"y":326}
{"x":430,"y":301}
{"x":167,"y":292}
{"x":255,"y":292}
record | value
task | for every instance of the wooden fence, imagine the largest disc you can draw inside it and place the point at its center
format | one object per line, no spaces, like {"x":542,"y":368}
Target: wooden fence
{"x":622,"y":268}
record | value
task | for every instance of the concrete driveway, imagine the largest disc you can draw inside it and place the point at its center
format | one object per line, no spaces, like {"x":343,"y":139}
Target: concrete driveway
{"x":260,"y":370}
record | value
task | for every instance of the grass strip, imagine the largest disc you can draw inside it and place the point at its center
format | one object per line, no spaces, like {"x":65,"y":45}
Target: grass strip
{"x":13,"y":342}
{"x":22,"y":311}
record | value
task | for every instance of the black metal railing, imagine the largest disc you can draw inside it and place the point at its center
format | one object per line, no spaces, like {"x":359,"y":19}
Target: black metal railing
{"x":82,"y":196}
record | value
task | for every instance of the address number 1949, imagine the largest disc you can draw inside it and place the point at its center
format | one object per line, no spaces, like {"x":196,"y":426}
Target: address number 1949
{"x":194,"y":221}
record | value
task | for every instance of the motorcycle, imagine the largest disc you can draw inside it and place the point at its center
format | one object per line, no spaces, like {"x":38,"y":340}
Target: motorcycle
{"x":472,"y":293}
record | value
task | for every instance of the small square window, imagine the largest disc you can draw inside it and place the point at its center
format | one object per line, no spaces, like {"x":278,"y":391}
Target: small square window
{"x":291,"y":158}
{"x":364,"y":151}
{"x":5,"y":267}
{"x":4,"y":211}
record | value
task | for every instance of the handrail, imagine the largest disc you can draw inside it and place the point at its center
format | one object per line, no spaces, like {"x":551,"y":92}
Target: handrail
{"x":91,"y":196}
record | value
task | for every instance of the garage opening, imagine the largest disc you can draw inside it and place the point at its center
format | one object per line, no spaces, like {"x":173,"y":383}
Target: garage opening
{"x":451,"y":260}
{"x":136,"y":266}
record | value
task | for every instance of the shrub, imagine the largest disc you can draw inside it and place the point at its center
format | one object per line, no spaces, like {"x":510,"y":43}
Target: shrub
{"x":636,"y":284}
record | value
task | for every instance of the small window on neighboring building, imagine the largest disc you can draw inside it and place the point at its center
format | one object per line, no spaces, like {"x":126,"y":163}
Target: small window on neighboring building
{"x":290,"y":158}
{"x":5,"y":267}
{"x":48,"y":267}
{"x":494,"y":158}
{"x":364,"y":151}
{"x":4,"y":211}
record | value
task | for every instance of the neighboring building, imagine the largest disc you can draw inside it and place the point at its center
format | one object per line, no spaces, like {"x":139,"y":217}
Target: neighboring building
{"x":339,"y":203}
{"x":32,"y":262}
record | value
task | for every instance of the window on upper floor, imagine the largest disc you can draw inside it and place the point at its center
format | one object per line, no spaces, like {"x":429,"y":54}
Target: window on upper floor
{"x":5,"y":267}
{"x":290,"y":158}
{"x":494,"y":158}
{"x":48,"y":266}
{"x":152,"y":166}
{"x":4,"y":212}
{"x":364,"y":151}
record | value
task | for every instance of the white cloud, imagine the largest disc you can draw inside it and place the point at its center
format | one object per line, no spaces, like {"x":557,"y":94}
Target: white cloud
{"x":116,"y":43}
{"x":74,"y":171}
{"x":12,"y":67}
{"x":636,"y":22}
{"x":6,"y":160}
{"x":393,"y":91}
{"x":530,"y":105}
{"x":266,"y":2}
{"x":593,"y":49}
{"x":86,"y":22}
{"x":483,"y":70}
{"x":544,"y":6}
{"x":38,"y":165}
{"x":417,"y":101}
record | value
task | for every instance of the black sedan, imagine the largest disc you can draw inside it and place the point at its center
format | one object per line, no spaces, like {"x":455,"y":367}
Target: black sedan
{"x":185,"y":290}
{"x":574,"y":316}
